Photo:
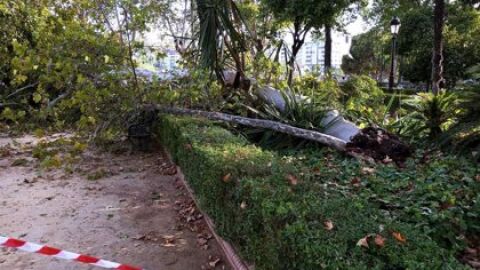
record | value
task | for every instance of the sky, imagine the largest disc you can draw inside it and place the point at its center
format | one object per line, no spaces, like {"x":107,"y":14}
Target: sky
{"x":359,"y":26}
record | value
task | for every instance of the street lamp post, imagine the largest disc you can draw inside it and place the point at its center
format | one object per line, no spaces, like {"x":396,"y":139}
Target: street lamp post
{"x":394,"y":27}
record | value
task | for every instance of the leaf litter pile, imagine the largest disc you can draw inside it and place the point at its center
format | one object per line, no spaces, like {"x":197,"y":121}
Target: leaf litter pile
{"x":189,"y":217}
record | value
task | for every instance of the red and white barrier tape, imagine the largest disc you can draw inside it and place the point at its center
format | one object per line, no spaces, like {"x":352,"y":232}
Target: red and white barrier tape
{"x":61,"y":254}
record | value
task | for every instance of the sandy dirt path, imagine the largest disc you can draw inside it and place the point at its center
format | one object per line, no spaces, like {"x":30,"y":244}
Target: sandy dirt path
{"x":135,"y":214}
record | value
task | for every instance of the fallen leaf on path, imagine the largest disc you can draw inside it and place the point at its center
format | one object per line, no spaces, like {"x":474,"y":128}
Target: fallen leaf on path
{"x":213,"y":261}
{"x":202,"y":241}
{"x":399,"y":237}
{"x":328,"y":225}
{"x":169,"y":241}
{"x":5,"y":151}
{"x":140,"y":237}
{"x":29,"y":181}
{"x":379,"y":240}
{"x":363,"y":242}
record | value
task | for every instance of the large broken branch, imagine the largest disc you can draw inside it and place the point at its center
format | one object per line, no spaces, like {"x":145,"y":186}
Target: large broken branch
{"x":259,"y":123}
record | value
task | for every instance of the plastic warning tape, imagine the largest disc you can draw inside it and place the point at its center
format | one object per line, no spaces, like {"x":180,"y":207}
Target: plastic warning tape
{"x":61,"y":254}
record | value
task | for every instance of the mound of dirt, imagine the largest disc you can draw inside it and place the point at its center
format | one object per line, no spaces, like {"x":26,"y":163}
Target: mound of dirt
{"x":380,"y":145}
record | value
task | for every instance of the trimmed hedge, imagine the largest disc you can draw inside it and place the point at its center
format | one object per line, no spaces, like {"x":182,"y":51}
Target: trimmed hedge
{"x":279,"y":225}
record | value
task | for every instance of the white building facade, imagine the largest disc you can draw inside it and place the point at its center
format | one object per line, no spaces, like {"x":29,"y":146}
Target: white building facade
{"x":311,"y":57}
{"x":170,"y":61}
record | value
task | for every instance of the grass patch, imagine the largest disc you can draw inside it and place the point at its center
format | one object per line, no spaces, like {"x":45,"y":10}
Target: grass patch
{"x":62,"y":152}
{"x":20,"y":162}
{"x":97,"y":175}
{"x":274,"y":206}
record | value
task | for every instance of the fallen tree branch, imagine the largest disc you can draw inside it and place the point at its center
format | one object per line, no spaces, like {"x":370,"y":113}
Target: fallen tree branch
{"x":259,"y":123}
{"x":54,"y":102}
{"x":4,"y":105}
{"x":21,"y":89}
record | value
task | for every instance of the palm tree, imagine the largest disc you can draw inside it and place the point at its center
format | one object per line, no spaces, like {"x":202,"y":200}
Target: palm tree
{"x":219,"y":21}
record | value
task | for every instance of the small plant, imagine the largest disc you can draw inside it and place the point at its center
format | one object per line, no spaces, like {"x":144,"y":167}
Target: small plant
{"x":50,"y":162}
{"x":58,"y":153}
{"x":429,"y":115}
{"x":464,"y":134}
{"x":307,"y":112}
{"x":21,"y":162}
{"x":96,"y":175}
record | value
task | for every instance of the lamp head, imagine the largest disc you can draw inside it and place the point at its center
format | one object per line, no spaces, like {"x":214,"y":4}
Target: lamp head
{"x":395,"y":25}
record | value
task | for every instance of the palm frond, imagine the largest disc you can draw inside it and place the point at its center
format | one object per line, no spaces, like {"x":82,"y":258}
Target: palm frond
{"x":464,"y":134}
{"x":216,"y":24}
{"x":298,"y":111}
{"x":429,"y":115}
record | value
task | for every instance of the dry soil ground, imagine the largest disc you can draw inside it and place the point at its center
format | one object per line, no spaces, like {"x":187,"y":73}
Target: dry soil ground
{"x":136,"y":213}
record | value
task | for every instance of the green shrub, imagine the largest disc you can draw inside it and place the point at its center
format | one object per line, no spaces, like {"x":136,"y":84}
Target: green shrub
{"x":429,"y":115}
{"x":307,"y":113}
{"x":325,"y":91}
{"x":273,"y":207}
{"x":464,"y":134}
{"x":406,"y":92}
{"x":364,"y":100}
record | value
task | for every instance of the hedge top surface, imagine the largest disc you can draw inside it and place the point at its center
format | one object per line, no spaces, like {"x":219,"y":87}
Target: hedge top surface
{"x":274,"y":206}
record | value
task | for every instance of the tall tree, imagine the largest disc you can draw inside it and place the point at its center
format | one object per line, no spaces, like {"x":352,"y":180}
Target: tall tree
{"x":306,"y":15}
{"x":415,"y":45}
{"x":340,"y":13}
{"x":437,"y":59}
{"x":328,"y":48}
{"x":367,"y":54}
{"x":303,"y":15}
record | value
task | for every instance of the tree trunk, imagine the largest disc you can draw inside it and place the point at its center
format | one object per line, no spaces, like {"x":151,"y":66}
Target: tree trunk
{"x":400,"y":70}
{"x":299,"y":35}
{"x":328,"y":48}
{"x":259,"y":123}
{"x":382,"y":70}
{"x":437,"y":59}
{"x":130,"y":50}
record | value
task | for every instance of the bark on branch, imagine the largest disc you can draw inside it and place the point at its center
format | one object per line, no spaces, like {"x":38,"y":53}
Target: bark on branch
{"x":5,"y":105}
{"x":54,"y":102}
{"x":259,"y":123}
{"x":16,"y":92}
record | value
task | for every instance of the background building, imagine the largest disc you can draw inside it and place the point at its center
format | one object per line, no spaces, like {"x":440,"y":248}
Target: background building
{"x":169,"y":62}
{"x":311,"y":56}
